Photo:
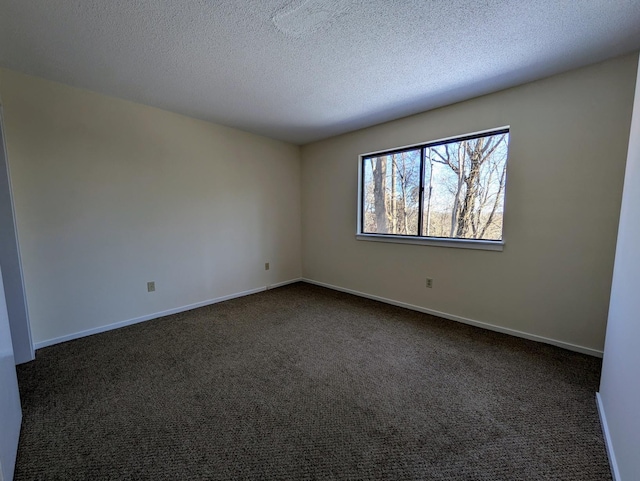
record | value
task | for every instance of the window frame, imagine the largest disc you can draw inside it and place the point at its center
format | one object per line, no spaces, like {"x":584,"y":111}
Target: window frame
{"x":481,"y":244}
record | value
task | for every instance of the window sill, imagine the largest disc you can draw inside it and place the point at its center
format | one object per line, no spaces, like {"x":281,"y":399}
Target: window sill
{"x":430,"y":241}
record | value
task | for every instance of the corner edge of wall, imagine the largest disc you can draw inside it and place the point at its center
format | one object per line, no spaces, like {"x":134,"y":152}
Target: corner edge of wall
{"x":613,"y":464}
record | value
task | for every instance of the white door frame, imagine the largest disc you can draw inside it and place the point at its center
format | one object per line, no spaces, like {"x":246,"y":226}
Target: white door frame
{"x":10,"y":411}
{"x":11,"y":262}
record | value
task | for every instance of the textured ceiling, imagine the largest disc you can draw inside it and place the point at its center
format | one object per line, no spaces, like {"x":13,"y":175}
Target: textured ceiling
{"x":304,"y":70}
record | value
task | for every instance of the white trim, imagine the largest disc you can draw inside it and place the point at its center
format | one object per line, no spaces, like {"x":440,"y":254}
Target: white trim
{"x":615,"y":473}
{"x":285,"y":283}
{"x":464,"y":320}
{"x":434,"y":241}
{"x":156,"y":315}
{"x":31,"y":348}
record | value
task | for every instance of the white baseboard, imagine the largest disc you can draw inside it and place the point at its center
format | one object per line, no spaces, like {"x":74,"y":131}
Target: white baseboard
{"x":464,"y":320}
{"x":607,"y":440}
{"x":280,"y":284}
{"x":156,"y":315}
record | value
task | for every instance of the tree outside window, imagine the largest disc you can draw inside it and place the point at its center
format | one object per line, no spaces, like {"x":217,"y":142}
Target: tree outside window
{"x":452,"y":189}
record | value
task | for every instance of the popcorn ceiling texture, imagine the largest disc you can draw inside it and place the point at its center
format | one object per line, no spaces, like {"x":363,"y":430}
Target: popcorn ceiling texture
{"x":305,"y":70}
{"x":299,"y":19}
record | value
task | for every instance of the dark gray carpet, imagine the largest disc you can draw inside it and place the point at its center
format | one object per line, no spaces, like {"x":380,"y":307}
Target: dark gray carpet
{"x":303,"y":382}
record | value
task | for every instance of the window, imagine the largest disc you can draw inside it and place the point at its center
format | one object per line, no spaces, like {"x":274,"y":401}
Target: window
{"x":447,"y":192}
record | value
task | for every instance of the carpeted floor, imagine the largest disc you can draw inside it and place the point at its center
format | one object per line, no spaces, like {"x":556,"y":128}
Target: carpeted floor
{"x":305,"y":383}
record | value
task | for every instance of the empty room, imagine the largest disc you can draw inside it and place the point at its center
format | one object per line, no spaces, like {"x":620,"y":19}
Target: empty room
{"x":319,"y":239}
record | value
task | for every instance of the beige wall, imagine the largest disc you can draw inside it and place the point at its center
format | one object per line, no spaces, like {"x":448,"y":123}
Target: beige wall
{"x":110,"y":194}
{"x":619,"y":388}
{"x":568,"y":147}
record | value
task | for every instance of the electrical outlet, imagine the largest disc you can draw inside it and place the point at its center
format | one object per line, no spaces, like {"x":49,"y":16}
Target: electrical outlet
{"x":429,"y":282}
{"x":151,"y":286}
{"x":266,"y":266}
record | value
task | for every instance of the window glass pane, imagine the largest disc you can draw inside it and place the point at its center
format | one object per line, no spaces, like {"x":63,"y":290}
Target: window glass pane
{"x":464,"y":188}
{"x":391,"y":193}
